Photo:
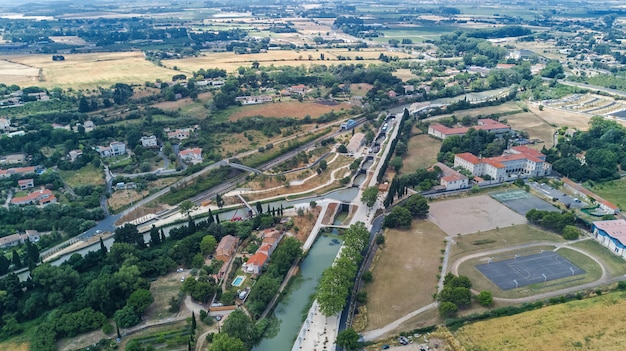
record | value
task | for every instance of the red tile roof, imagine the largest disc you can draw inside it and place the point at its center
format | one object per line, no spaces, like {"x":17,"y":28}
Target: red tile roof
{"x":471,"y":158}
{"x":258,"y":259}
{"x":528,"y":151}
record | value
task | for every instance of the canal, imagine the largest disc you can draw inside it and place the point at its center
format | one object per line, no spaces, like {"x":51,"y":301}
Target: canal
{"x":293,"y":306}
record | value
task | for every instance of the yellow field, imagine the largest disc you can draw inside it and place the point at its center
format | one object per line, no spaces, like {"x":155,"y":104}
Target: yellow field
{"x":14,"y":346}
{"x":230,"y":62}
{"x":12,"y":72}
{"x":591,"y":324}
{"x":422,"y":153}
{"x":85,"y":70}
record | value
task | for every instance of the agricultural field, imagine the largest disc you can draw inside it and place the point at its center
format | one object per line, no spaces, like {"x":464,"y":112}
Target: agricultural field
{"x":288,"y":109}
{"x":12,"y":72}
{"x":416,"y":33}
{"x":231,"y":62}
{"x":422,"y":153}
{"x":589,"y":324}
{"x":404,"y":271}
{"x":404,"y":74}
{"x":86,"y":71}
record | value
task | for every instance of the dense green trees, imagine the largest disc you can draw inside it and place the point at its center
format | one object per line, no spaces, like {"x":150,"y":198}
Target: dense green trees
{"x":369,"y":196}
{"x":348,"y":339}
{"x":416,"y":206}
{"x":337,"y":281}
{"x":551,"y":220}
{"x":455,"y":294}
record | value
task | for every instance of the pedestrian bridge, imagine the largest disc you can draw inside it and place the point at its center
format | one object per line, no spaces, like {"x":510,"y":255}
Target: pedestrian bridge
{"x":243,"y":168}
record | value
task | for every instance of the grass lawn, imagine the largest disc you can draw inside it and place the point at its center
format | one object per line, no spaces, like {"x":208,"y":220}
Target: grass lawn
{"x":162,"y":290}
{"x":14,"y":346}
{"x":590,"y":324}
{"x":405,"y":273}
{"x":287,"y":109}
{"x":422,"y":153}
{"x":613,"y":191}
{"x":615,"y":264}
{"x":86,"y":175}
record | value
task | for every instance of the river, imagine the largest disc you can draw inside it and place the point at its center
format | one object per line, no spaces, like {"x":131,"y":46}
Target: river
{"x":297,"y":301}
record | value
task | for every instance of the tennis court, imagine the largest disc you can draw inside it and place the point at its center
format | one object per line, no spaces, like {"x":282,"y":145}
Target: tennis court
{"x":521,"y":201}
{"x":526,"y":270}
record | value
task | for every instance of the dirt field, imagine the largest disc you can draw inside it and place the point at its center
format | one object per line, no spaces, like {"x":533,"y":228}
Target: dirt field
{"x":536,"y":128}
{"x":185,"y":102}
{"x":404,"y":270}
{"x":162,"y":290}
{"x":124,"y":197}
{"x":91,"y":70}
{"x":306,"y":223}
{"x":422,"y":153}
{"x":14,"y":73}
{"x":591,"y":324}
{"x":472,"y":214}
{"x":486,"y":111}
{"x":562,"y":118}
{"x":287,"y":109}
{"x":230,"y":61}
{"x":404,"y":74}
{"x":14,"y":346}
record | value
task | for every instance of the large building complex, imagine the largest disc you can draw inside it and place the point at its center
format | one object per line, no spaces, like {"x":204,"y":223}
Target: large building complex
{"x":516,"y":162}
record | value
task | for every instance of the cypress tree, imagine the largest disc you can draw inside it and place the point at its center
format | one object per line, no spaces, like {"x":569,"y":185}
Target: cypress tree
{"x":17,"y":262}
{"x":210,"y":219}
{"x":162,"y":236}
{"x":103,"y":249}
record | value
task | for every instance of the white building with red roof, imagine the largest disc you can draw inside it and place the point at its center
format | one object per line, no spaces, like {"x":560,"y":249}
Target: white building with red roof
{"x":611,"y":234}
{"x":193,"y":155}
{"x":451,"y":179}
{"x":41,"y":197}
{"x":518,"y":162}
{"x":442,"y":132}
{"x":255,"y":263}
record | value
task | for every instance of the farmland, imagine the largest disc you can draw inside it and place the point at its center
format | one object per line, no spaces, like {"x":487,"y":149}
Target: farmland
{"x":288,"y":109}
{"x":590,"y":324}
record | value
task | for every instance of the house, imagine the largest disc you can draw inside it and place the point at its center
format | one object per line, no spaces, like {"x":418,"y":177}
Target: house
{"x":33,"y":236}
{"x":5,"y":123}
{"x":115,"y":148}
{"x":12,"y":159}
{"x":356,"y":142}
{"x":392,"y":94}
{"x":255,"y":263}
{"x":25,"y":184}
{"x":149,"y":141}
{"x":193,"y":155}
{"x":4,"y":173}
{"x":442,"y":132}
{"x":226,"y":248}
{"x":89,"y":126}
{"x":10,"y":241}
{"x":611,"y":234}
{"x":297,"y":89}
{"x":74,"y":154}
{"x":451,"y":179}
{"x":251,"y":100}
{"x":521,"y":54}
{"x":180,"y":134}
{"x":521,"y":162}
{"x":41,"y":197}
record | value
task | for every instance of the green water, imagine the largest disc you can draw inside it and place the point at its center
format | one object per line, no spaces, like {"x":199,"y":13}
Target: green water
{"x":292,"y":307}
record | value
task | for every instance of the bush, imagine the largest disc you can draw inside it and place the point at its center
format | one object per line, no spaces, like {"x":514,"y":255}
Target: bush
{"x":447,"y":309}
{"x":485,"y":298}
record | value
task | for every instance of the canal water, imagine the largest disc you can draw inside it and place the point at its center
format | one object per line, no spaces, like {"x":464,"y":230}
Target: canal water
{"x":295,"y":304}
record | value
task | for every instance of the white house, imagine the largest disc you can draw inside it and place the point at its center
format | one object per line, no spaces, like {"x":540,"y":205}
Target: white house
{"x":356,"y":142}
{"x":115,"y":148}
{"x":149,"y":141}
{"x":5,"y":123}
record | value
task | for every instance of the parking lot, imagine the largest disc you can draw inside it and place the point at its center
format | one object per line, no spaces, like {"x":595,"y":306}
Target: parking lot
{"x":551,"y":193}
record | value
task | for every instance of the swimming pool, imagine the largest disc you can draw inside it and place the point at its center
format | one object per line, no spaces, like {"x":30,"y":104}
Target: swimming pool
{"x":238,"y":280}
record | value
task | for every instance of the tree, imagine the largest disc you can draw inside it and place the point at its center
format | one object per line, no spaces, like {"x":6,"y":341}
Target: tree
{"x":208,"y":244}
{"x":259,"y":208}
{"x":127,"y":317}
{"x":323,"y":165}
{"x":239,"y":325}
{"x":369,"y":196}
{"x":224,"y":342}
{"x":447,"y":309}
{"x":17,"y":262}
{"x":126,"y":234}
{"x":121,"y":93}
{"x":570,"y":232}
{"x":398,"y":218}
{"x":185,"y":207}
{"x":396,"y":163}
{"x":485,"y":298}
{"x":342,"y":149}
{"x":155,"y":238}
{"x":103,"y":248}
{"x":193,"y":322}
{"x":219,"y":201}
{"x":139,"y":300}
{"x":348,"y":339}
{"x":417,"y":205}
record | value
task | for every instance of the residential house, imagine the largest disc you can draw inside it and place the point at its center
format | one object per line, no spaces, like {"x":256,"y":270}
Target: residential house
{"x":149,"y":141}
{"x":12,"y":159}
{"x":252,"y":100}
{"x":255,"y":263}
{"x":74,"y":154}
{"x":451,"y":179}
{"x":442,"y":132}
{"x":4,"y":173}
{"x":10,"y":241}
{"x":392,"y":94}
{"x":115,"y":148}
{"x":180,"y":134}
{"x":225,"y":251}
{"x":33,"y":236}
{"x":25,"y":184}
{"x":5,"y":123}
{"x":41,"y":197}
{"x":297,"y":89}
{"x":193,"y":155}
